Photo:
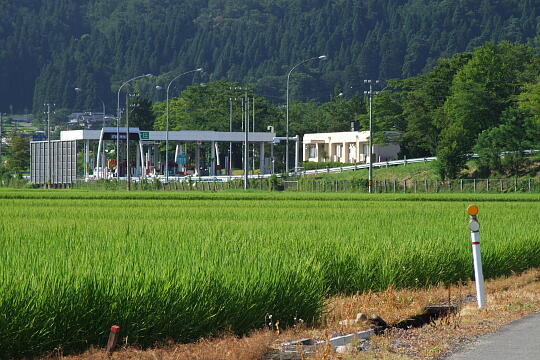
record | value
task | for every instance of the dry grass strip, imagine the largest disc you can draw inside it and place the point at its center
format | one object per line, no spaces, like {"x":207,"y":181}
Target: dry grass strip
{"x":508,"y":299}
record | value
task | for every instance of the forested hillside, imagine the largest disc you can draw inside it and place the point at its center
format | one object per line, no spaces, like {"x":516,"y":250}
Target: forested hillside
{"x":48,"y":47}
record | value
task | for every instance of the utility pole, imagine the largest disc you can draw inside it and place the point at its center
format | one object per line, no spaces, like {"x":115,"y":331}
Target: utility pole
{"x":118,"y":115}
{"x":245,"y":127}
{"x":370,"y":143}
{"x":128,"y":166}
{"x":246,"y":145}
{"x":230,"y":142}
{"x":49,"y":167}
{"x":127,"y":143}
{"x":253,"y":130}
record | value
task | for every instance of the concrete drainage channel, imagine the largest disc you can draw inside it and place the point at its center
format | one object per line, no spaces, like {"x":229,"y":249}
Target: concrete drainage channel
{"x":357,"y":341}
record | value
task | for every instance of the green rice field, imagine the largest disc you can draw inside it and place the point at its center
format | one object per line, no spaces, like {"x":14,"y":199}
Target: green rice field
{"x":166,"y":265}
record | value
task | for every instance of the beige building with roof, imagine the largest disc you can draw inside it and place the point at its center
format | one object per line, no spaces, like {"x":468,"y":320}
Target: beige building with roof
{"x":346,"y":147}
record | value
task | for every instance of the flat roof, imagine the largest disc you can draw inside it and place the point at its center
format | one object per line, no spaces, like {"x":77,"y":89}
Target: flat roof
{"x":184,"y":135}
{"x":346,"y":136}
{"x":343,"y":136}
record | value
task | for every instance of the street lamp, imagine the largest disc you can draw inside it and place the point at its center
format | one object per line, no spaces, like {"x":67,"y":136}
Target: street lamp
{"x":322,"y":57}
{"x":158,"y":92}
{"x":167,"y":126}
{"x":370,"y":143}
{"x":78,"y":89}
{"x":118,"y":122}
{"x":128,"y":167}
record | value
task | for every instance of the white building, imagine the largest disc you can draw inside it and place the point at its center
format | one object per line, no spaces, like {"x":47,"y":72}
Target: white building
{"x":346,"y":147}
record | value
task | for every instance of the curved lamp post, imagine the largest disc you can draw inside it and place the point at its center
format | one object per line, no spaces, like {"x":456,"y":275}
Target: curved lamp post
{"x":118,"y":122}
{"x":167,"y":125}
{"x":78,"y":90}
{"x":322,"y":57}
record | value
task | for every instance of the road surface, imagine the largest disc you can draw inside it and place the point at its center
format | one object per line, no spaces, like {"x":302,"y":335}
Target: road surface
{"x":517,"y":340}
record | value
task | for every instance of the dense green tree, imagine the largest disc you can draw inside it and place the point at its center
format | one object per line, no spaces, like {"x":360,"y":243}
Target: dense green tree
{"x":141,"y":114}
{"x":420,"y":137}
{"x":19,"y":153}
{"x":207,"y":107}
{"x":423,"y":100}
{"x":529,"y":99}
{"x":501,"y":148}
{"x":482,"y":89}
{"x":48,"y":47}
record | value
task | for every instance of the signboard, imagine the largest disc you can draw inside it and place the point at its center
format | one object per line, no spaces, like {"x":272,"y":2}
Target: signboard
{"x":39,"y":137}
{"x":120,"y":136}
{"x":145,"y":135}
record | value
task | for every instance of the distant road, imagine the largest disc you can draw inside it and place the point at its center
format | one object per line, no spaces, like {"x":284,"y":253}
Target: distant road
{"x":517,"y":340}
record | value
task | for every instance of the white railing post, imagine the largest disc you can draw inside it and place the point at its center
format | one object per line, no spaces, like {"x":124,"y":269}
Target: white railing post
{"x":474,"y":226}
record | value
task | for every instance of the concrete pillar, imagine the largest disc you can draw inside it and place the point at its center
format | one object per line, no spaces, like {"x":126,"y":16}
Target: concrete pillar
{"x":345,"y":153}
{"x":272,"y":158}
{"x":143,"y":163}
{"x":213,"y":159}
{"x":197,"y":160}
{"x":296,"y":152}
{"x":217,"y":154}
{"x":138,"y":162}
{"x":147,"y":159}
{"x":176,"y":152}
{"x":330,"y":150}
{"x":86,"y":157}
{"x":99,"y":159}
{"x":357,"y":156}
{"x":261,"y":159}
{"x":156,"y":158}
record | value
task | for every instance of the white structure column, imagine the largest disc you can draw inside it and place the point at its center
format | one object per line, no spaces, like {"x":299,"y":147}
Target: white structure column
{"x":296,"y":153}
{"x":213,"y":158}
{"x":357,"y":156}
{"x":138,"y":161}
{"x":86,"y":157}
{"x":261,"y":158}
{"x":197,"y":160}
{"x":99,"y":158}
{"x":305,"y":151}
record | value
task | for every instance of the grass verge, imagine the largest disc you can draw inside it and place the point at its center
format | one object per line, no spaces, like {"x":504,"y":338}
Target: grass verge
{"x":509,"y":298}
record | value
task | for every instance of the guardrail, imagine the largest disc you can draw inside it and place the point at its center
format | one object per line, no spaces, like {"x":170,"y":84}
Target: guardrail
{"x":366,"y":166}
{"x":303,"y":172}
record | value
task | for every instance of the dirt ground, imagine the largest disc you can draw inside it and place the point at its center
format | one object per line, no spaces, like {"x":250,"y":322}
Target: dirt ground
{"x":508,"y":299}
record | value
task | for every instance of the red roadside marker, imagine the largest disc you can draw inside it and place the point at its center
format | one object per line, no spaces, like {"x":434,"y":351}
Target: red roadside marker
{"x":113,"y":338}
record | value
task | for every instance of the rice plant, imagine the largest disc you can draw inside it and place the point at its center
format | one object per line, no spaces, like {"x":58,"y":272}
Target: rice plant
{"x":184,"y":265}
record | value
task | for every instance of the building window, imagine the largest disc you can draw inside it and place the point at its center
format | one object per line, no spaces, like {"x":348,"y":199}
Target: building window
{"x":366,"y":149}
{"x":312,"y":151}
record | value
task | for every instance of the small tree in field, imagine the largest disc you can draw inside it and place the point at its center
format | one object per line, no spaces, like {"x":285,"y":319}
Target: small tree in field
{"x":19,"y":153}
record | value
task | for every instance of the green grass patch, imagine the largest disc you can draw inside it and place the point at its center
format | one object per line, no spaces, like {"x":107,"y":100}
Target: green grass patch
{"x":416,"y":171}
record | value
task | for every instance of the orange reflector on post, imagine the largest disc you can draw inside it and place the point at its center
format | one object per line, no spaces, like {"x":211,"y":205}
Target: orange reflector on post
{"x":472,"y":210}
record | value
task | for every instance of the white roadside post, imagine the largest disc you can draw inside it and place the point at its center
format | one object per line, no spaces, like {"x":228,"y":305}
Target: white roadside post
{"x":474,"y":226}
